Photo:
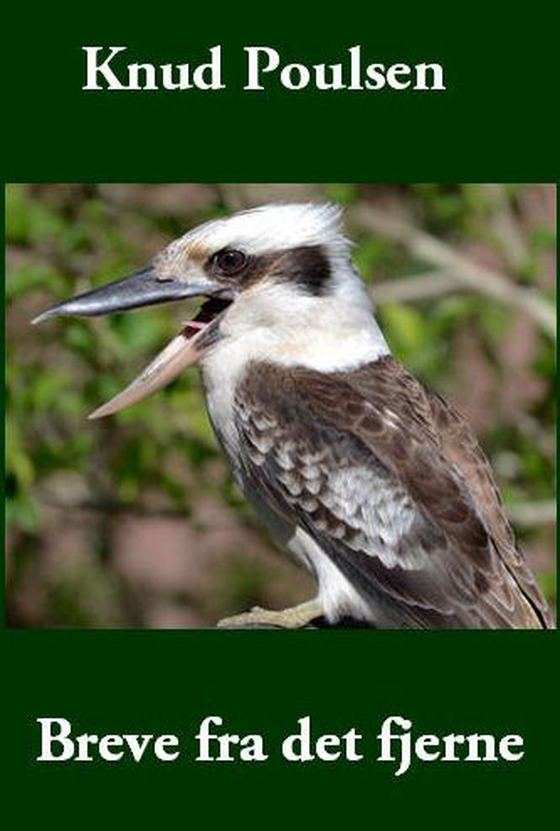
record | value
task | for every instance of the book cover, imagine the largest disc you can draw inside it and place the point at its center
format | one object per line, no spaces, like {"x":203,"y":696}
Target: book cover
{"x":127,"y":539}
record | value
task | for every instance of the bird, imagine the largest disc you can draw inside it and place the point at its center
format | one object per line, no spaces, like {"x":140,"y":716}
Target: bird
{"x":368,"y":478}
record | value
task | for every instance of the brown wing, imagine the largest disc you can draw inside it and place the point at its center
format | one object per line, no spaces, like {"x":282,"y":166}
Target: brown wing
{"x":358,"y":458}
{"x":449,"y":429}
{"x":461,"y":447}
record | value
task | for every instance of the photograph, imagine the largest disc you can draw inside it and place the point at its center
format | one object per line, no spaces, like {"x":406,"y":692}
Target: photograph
{"x":280,"y":406}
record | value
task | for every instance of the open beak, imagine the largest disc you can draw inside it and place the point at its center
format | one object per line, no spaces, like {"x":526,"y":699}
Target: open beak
{"x":145,"y":288}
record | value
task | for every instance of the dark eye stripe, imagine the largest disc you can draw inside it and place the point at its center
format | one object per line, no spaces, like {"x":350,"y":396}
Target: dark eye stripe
{"x":306,"y":267}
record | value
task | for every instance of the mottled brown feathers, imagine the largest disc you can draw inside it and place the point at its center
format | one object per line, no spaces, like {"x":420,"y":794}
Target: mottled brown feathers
{"x":391,"y":483}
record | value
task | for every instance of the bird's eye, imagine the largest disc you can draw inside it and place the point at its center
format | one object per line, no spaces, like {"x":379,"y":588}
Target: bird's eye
{"x":230,"y":261}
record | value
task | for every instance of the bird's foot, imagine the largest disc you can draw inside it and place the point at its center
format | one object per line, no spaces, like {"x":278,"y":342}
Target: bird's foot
{"x":298,"y":617}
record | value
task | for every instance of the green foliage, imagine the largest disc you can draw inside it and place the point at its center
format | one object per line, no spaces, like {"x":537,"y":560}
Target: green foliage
{"x":58,"y":373}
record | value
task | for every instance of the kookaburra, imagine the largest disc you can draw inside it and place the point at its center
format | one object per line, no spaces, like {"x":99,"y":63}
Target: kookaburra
{"x":373,"y":482}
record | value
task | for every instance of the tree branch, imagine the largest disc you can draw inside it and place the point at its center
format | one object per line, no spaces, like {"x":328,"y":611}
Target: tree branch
{"x":466,"y":272}
{"x":532,"y":514}
{"x":414,"y":288}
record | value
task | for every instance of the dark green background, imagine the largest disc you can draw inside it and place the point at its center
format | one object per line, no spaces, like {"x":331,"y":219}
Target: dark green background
{"x":493,"y":124}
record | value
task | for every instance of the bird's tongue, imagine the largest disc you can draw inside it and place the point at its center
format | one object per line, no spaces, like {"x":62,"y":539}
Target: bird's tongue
{"x":206,"y":314}
{"x":182,"y":352}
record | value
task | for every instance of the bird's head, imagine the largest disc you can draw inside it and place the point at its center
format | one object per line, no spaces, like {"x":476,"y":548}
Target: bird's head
{"x":274,"y":269}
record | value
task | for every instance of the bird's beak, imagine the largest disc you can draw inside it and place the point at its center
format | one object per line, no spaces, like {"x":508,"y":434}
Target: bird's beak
{"x":145,"y":288}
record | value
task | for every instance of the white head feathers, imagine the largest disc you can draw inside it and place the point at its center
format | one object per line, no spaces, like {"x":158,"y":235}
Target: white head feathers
{"x":271,"y":228}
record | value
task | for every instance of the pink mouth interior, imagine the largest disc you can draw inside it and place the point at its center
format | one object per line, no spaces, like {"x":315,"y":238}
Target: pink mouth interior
{"x":196,"y":325}
{"x":206,"y":314}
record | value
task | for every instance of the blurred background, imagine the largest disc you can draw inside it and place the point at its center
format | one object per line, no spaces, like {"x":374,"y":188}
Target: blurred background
{"x":133,"y":520}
